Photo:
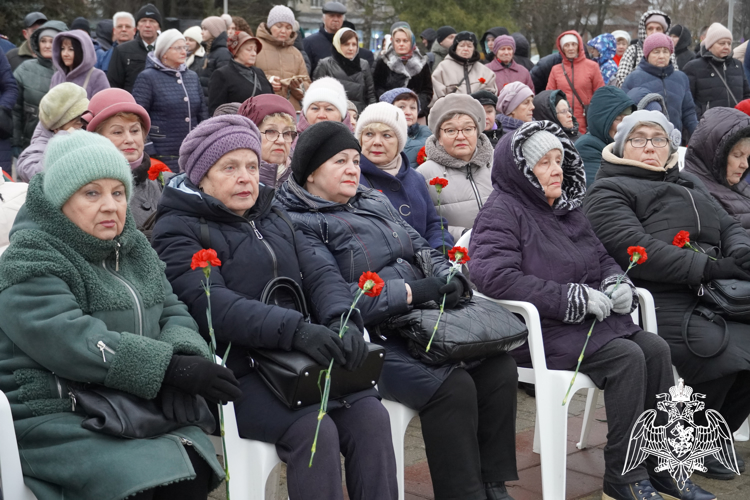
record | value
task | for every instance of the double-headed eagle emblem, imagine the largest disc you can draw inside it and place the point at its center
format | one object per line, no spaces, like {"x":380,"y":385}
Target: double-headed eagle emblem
{"x":680,"y":445}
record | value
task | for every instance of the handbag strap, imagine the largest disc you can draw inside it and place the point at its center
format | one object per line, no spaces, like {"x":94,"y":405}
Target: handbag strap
{"x":572,"y":87}
{"x":710,"y":316}
{"x":727,"y":86}
{"x":282,"y":283}
{"x":205,"y":234}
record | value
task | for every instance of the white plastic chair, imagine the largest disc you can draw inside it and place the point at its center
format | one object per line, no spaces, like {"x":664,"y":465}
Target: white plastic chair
{"x":681,"y":157}
{"x":400,"y":417}
{"x":11,"y":477}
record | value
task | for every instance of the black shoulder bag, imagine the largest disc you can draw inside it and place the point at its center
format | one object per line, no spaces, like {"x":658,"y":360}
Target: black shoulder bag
{"x":291,"y":375}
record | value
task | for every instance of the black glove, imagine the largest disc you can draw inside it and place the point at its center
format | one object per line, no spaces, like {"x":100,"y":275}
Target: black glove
{"x":198,"y":376}
{"x":453,"y":292}
{"x":355,"y":347}
{"x":725,"y":268}
{"x":318,"y":342}
{"x":742,"y":257}
{"x":179,"y":406}
{"x":426,"y":289}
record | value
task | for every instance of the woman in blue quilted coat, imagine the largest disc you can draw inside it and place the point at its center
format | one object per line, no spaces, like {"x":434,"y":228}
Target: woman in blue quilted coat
{"x":172,"y":95}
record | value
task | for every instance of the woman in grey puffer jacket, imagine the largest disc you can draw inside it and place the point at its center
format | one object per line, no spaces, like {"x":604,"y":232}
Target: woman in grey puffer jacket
{"x":465,"y":159}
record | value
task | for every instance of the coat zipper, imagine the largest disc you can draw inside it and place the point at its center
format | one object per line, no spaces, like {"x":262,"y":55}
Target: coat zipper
{"x":697,"y":215}
{"x":470,"y":176}
{"x":59,"y":386}
{"x":103,"y":347}
{"x":268,"y":247}
{"x":132,"y":292}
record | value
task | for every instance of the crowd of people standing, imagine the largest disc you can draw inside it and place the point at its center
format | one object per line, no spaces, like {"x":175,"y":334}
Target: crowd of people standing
{"x":313,"y":160}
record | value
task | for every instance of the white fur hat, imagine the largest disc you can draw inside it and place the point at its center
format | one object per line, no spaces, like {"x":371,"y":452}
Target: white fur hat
{"x":387,"y":114}
{"x":326,"y":89}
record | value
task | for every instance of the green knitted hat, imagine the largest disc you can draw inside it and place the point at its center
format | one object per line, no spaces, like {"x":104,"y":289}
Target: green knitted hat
{"x":73,"y":160}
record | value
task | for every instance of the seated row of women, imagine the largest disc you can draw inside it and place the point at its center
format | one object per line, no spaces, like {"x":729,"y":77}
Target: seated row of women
{"x":539,"y":236}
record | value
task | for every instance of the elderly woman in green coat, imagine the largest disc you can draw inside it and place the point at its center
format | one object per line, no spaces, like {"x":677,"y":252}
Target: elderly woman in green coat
{"x":84,"y":300}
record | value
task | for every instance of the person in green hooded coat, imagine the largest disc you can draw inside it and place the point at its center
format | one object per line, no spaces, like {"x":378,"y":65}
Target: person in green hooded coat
{"x":609,"y":105}
{"x":84,"y":299}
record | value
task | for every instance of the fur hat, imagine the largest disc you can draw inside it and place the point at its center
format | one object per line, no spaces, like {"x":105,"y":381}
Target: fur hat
{"x":456,"y":103}
{"x":326,"y":89}
{"x":61,"y":104}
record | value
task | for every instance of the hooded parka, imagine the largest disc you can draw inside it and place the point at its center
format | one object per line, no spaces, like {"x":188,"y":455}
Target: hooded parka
{"x":582,"y":72}
{"x":469,"y":183}
{"x":63,"y":292}
{"x":606,"y":45}
{"x":85,"y":74}
{"x":708,"y":151}
{"x":282,"y":59}
{"x":238,"y":315}
{"x":545,"y":108}
{"x":632,"y":203}
{"x":523,"y":51}
{"x":682,"y":51}
{"x":33,"y":78}
{"x":707,"y":74}
{"x":606,"y":105}
{"x":174,"y":100}
{"x":524,"y":249}
{"x":634,"y":53}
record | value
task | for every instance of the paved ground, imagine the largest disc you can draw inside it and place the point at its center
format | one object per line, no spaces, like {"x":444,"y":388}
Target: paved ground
{"x":585,"y":467}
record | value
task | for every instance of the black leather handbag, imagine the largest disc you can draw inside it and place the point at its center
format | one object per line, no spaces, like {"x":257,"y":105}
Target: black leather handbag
{"x":478,"y":328}
{"x":293,"y":376}
{"x":118,"y":413}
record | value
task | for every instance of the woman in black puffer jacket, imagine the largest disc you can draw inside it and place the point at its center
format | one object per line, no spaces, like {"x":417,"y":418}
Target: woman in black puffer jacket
{"x":346,"y":66}
{"x":220,"y":193}
{"x":641,"y":198}
{"x":716,"y":78}
{"x":718,"y":155}
{"x":467,"y":411}
{"x":217,"y":54}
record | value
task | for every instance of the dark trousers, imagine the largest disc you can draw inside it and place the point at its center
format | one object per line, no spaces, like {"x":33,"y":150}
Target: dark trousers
{"x":469,"y":429}
{"x":631,"y":371}
{"x":197,"y":489}
{"x":362,"y":433}
{"x":729,"y":395}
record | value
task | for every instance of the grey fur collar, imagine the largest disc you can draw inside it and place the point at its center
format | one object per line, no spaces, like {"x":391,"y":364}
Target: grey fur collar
{"x":411,"y":68}
{"x":482,"y":155}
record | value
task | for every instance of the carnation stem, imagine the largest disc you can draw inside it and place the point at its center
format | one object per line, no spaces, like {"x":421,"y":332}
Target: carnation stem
{"x":442,"y":308}
{"x":326,"y":391}
{"x":442,"y":232}
{"x":588,"y":336}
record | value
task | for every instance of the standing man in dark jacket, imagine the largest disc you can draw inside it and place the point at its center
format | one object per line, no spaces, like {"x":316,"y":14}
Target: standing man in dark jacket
{"x":716,"y":78}
{"x":320,"y":45}
{"x":23,"y":53}
{"x":8,"y":96}
{"x":129,"y":59}
{"x":122,"y":30}
{"x":682,"y":39}
{"x":540,"y":72}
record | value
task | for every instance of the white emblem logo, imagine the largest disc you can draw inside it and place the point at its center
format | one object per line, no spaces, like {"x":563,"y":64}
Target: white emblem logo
{"x":680,"y":445}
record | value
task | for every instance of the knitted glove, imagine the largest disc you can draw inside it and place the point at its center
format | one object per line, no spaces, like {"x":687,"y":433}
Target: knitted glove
{"x":598,"y":304}
{"x":196,"y":375}
{"x":622,"y":298}
{"x":453,"y":290}
{"x":355,"y":347}
{"x":319,"y":342}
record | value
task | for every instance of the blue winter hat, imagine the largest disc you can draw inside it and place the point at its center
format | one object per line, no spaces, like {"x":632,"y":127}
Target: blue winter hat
{"x":393,"y":94}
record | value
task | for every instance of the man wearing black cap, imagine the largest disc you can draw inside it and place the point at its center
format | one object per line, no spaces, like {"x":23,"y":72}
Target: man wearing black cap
{"x":493,"y":129}
{"x":320,"y":45}
{"x":428,"y":37}
{"x":443,"y":42}
{"x":23,"y":53}
{"x":129,"y":59}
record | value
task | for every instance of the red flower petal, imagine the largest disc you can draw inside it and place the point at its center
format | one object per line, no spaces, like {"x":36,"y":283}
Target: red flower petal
{"x":205,"y":257}
{"x":642,"y":255}
{"x":156,"y":169}
{"x":459,"y":255}
{"x":371,"y":283}
{"x":482,"y":80}
{"x":681,"y":239}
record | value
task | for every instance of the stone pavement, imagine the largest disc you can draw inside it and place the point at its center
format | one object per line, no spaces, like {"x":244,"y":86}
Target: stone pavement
{"x":585,"y":468}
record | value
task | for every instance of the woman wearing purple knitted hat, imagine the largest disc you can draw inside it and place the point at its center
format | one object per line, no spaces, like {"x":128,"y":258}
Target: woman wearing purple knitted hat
{"x":506,"y":69}
{"x":515,"y":106}
{"x":219,"y":195}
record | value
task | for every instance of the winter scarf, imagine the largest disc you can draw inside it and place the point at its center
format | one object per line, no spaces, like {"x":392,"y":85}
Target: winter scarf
{"x":410,"y":68}
{"x":60,"y":248}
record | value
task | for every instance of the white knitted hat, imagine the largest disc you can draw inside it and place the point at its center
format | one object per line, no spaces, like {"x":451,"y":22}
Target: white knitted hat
{"x":165,"y":41}
{"x":280,"y":14}
{"x":326,"y":89}
{"x":716,"y":32}
{"x":387,"y":114}
{"x":194,"y":33}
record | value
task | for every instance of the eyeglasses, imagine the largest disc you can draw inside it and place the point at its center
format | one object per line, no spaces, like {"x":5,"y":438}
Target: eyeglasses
{"x":565,"y":111}
{"x":453,"y":132}
{"x":640,"y":142}
{"x":272,"y":135}
{"x":179,"y":49}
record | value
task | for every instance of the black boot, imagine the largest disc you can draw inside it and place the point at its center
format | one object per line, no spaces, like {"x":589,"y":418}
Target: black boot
{"x":714,"y":470}
{"x":496,"y":491}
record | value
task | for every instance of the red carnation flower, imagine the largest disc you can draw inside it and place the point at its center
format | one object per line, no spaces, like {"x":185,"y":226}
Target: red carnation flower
{"x":421,"y":156}
{"x":371,"y":283}
{"x":156,"y":169}
{"x":681,"y":239}
{"x":637,"y":254}
{"x":482,"y":80}
{"x":205,"y":258}
{"x":459,"y":255}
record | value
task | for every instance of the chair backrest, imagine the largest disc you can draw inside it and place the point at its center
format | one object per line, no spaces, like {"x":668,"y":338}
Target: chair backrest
{"x":11,"y":477}
{"x":464,"y":240}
